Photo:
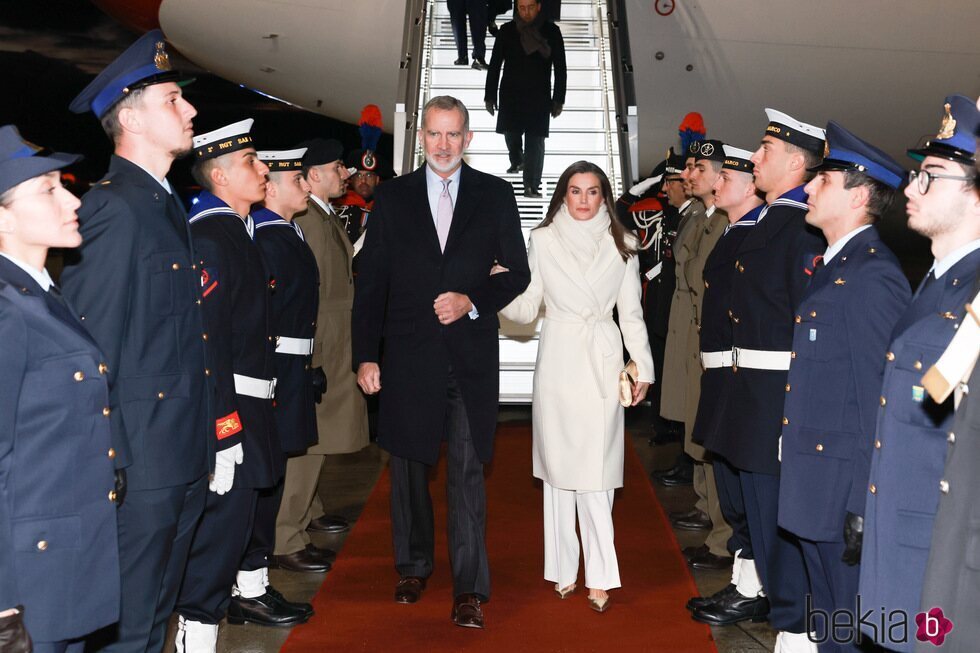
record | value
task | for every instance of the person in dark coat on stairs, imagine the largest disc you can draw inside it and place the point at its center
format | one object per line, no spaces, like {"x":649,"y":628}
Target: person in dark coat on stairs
{"x":527,"y":49}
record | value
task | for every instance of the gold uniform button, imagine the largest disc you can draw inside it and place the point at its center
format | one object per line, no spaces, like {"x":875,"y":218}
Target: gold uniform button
{"x":792,"y":354}
{"x":207,"y":372}
{"x":872,"y":250}
{"x":160,"y":395}
{"x":103,"y":368}
{"x":741,"y":268}
{"x":917,"y":365}
{"x":951,"y":438}
{"x":194,"y":266}
{"x":882,"y":400}
{"x":736,"y":320}
{"x":819,"y":447}
{"x":944,"y":486}
{"x":42,"y":545}
{"x":813,"y":313}
{"x":797,"y":319}
{"x":785,"y":421}
{"x":204,"y":336}
{"x":787,"y":387}
{"x":197,"y":301}
{"x":111,"y":453}
{"x":106,"y":411}
{"x":270,"y":338}
{"x":306,"y":367}
{"x":890,"y":356}
{"x":176,"y":266}
{"x":873,"y":488}
{"x":877,"y":444}
{"x":706,"y":284}
{"x":112,"y":495}
{"x":79,"y":376}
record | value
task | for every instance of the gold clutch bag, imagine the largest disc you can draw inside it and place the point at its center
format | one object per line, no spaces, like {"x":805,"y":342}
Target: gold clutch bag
{"x":627,"y":383}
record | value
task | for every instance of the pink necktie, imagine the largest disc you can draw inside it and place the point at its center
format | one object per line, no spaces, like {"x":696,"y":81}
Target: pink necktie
{"x":444,"y":216}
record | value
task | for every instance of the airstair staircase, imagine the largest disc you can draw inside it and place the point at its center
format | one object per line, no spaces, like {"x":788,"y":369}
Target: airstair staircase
{"x":586,"y":129}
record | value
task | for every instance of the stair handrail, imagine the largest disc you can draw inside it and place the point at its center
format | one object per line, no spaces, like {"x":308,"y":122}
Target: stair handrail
{"x":627,"y":127}
{"x":409,"y":84}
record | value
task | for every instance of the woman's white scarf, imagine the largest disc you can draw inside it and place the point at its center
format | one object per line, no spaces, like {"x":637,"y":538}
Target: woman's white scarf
{"x":583,"y":238}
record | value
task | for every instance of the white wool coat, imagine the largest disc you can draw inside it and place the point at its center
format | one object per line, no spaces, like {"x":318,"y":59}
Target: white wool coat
{"x":579,"y":432}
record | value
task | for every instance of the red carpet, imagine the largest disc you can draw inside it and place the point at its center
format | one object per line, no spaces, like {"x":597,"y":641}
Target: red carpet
{"x":355,"y":609}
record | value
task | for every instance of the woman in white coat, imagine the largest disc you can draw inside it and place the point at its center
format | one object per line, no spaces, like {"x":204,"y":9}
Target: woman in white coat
{"x":583,"y":264}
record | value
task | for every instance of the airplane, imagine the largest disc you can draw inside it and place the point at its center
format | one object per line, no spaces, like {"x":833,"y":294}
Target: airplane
{"x":880,"y":67}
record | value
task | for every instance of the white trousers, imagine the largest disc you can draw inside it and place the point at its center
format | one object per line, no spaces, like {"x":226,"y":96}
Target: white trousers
{"x":561,"y":548}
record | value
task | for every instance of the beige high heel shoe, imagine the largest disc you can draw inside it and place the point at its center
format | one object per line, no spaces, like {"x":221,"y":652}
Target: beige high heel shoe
{"x":600,"y":605}
{"x":564,"y":592}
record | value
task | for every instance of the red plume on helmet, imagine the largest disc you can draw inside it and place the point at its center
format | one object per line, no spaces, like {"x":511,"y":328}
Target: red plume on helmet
{"x":691,"y":129}
{"x":370,"y":127}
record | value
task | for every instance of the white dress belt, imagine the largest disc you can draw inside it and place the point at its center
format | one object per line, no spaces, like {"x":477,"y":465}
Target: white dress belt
{"x":754,"y":359}
{"x":252,"y":387}
{"x":296,"y":346}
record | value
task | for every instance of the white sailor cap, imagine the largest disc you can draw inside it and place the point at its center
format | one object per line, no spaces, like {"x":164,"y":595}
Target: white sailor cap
{"x":225,"y":140}
{"x":791,"y":130}
{"x":283,"y":160}
{"x":738,"y":159}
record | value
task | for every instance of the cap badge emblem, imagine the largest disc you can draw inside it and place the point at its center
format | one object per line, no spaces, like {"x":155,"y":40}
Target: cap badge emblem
{"x":161,"y":59}
{"x":948,"y":128}
{"x":707,"y":149}
{"x":693,"y":148}
{"x":368,"y":161}
{"x":826,"y":149}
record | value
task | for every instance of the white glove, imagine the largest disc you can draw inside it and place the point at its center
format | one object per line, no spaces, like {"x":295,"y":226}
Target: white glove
{"x":224,"y":468}
{"x":642,"y":187}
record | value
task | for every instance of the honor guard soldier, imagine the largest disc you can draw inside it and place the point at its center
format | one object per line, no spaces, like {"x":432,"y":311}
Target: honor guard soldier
{"x":735,"y":193}
{"x":342,"y":421}
{"x":673,"y":392}
{"x":906,"y":480}
{"x":290,"y":262}
{"x":774,"y":262}
{"x":706,"y":514}
{"x":842,"y":328}
{"x":136,"y":286}
{"x":643,"y":210}
{"x":367,"y":169}
{"x":59,"y":570}
{"x":235,"y":296}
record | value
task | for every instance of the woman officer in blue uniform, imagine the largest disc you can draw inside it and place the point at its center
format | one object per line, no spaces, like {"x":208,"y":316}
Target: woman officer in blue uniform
{"x":59,"y":565}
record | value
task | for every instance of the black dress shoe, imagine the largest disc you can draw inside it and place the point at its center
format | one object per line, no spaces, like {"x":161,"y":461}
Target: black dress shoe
{"x":710,"y":561}
{"x":467,"y":611}
{"x":733,"y":609}
{"x":329,"y":524}
{"x":698,"y":522}
{"x":696,"y":602}
{"x":479,"y":64}
{"x":299,"y":605}
{"x":691,"y":551}
{"x":302,"y":560}
{"x":676,"y":476}
{"x":462,"y":61}
{"x":327,"y":555}
{"x":493,"y":28}
{"x":266,"y":610}
{"x":511,"y":170}
{"x":409,"y":589}
{"x":532,"y":192}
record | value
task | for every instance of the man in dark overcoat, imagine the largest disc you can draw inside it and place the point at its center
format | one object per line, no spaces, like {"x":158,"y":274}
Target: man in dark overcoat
{"x":137,"y":289}
{"x":425,"y":285}
{"x":528,"y":48}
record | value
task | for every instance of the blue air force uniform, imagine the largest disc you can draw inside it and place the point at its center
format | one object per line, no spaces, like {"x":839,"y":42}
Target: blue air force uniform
{"x":906,"y":479}
{"x":58,"y":550}
{"x":843,"y":326}
{"x":136,"y":286}
{"x":235,"y":296}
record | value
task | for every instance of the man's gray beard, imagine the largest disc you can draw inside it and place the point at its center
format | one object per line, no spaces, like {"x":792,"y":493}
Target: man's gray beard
{"x":453,"y":163}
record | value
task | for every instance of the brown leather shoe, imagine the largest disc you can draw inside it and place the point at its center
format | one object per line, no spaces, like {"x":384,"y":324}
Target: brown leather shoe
{"x":409,"y":589}
{"x":467,"y":611}
{"x":302,"y":560}
{"x":329,"y":524}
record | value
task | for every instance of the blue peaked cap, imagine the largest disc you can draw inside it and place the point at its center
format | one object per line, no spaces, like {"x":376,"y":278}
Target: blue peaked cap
{"x":958,"y":133}
{"x":144,"y":63}
{"x":847,"y":152}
